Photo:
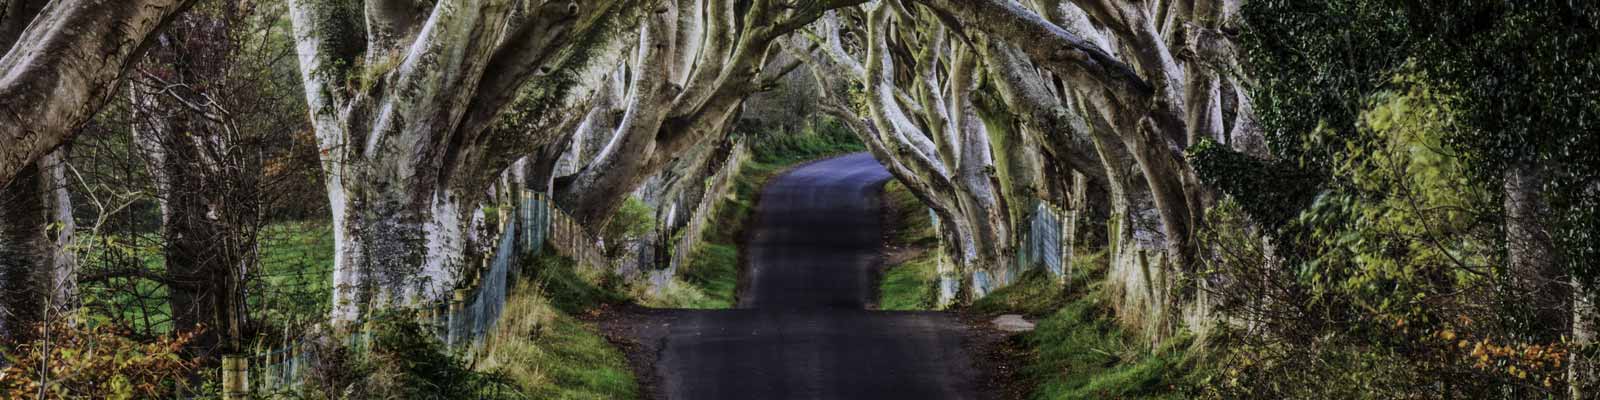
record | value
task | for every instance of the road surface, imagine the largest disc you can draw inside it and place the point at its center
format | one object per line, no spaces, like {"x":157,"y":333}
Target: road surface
{"x":802,"y":330}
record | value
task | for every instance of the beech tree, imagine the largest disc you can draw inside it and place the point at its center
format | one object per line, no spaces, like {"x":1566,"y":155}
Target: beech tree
{"x":417,"y":106}
{"x":920,"y":116}
{"x":697,"y":60}
{"x":62,"y":61}
{"x":1114,"y":92}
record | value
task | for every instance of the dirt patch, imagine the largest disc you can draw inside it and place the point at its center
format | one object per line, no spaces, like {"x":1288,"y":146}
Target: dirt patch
{"x":638,"y":332}
{"x":999,"y":356}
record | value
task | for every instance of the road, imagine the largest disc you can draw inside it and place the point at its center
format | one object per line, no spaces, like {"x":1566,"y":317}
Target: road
{"x":802,"y":330}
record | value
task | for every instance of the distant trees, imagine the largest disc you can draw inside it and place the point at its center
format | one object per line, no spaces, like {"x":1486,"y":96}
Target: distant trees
{"x":697,"y":62}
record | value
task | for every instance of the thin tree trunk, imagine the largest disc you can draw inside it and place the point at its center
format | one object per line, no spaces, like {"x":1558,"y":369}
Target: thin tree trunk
{"x":1530,"y":252}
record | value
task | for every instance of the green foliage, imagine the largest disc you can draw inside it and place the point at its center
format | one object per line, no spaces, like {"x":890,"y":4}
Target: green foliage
{"x":1524,"y":79}
{"x":1382,"y":279}
{"x":1237,"y":173}
{"x":823,"y":137}
{"x":1299,"y":53}
{"x":1414,"y":113}
{"x":94,"y":362}
{"x":634,"y":220}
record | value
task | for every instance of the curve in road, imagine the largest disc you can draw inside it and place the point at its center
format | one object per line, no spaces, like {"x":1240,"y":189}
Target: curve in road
{"x":803,"y":330}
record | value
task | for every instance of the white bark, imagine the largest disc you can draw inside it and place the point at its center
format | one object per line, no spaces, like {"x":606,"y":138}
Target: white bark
{"x":674,"y":105}
{"x":444,"y":98}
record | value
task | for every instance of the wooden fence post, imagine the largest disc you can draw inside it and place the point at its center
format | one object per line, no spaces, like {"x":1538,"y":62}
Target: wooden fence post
{"x":234,"y":377}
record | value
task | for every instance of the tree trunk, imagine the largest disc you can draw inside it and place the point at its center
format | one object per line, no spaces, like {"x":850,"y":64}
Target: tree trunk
{"x":1537,"y":278}
{"x":64,"y":258}
{"x":410,"y":140}
{"x":1583,"y":369}
{"x":64,"y":66}
{"x":24,"y":255}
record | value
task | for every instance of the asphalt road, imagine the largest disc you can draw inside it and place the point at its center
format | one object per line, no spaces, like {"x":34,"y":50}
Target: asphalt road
{"x":802,"y":330}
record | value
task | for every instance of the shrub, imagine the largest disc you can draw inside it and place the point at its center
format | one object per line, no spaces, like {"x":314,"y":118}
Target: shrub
{"x":96,"y":362}
{"x":401,"y":359}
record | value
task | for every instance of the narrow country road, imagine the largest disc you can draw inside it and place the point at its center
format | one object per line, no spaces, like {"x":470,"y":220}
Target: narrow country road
{"x":802,"y":330}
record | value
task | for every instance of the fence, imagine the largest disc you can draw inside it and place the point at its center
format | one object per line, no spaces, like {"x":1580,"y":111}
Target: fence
{"x":463,"y":321}
{"x":689,"y":237}
{"x":1045,"y":241}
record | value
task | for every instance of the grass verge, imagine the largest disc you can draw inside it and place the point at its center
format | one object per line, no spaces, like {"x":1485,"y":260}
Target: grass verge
{"x":910,"y":279}
{"x":546,"y":352}
{"x":1078,"y":351}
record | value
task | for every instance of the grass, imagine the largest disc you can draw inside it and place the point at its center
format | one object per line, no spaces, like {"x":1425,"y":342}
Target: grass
{"x":569,"y":290}
{"x":546,"y":352}
{"x":549,"y":354}
{"x":1078,"y":350}
{"x":710,"y":280}
{"x":296,"y":274}
{"x":912,"y":282}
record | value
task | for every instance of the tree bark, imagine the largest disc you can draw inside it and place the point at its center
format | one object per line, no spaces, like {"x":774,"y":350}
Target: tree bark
{"x":24,"y":255}
{"x":447,"y":97}
{"x":64,"y":66}
{"x":1531,"y":255}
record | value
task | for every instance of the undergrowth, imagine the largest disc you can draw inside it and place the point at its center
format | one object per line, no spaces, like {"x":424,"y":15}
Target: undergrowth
{"x":570,"y":290}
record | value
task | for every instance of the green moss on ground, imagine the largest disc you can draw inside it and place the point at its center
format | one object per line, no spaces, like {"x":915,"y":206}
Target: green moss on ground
{"x":912,"y":282}
{"x":1078,"y":350}
{"x":710,"y":281}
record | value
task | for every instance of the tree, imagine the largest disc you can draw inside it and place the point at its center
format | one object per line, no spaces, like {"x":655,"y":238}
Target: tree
{"x":416,"y":112}
{"x":698,"y":61}
{"x":922,"y":119}
{"x":207,"y":155}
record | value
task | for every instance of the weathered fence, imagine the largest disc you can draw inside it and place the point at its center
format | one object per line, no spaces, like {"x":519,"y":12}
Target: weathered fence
{"x":689,"y":237}
{"x":1044,"y":240}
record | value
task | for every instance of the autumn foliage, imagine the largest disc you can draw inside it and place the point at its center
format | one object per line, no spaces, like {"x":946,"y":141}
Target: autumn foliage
{"x":95,"y":362}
